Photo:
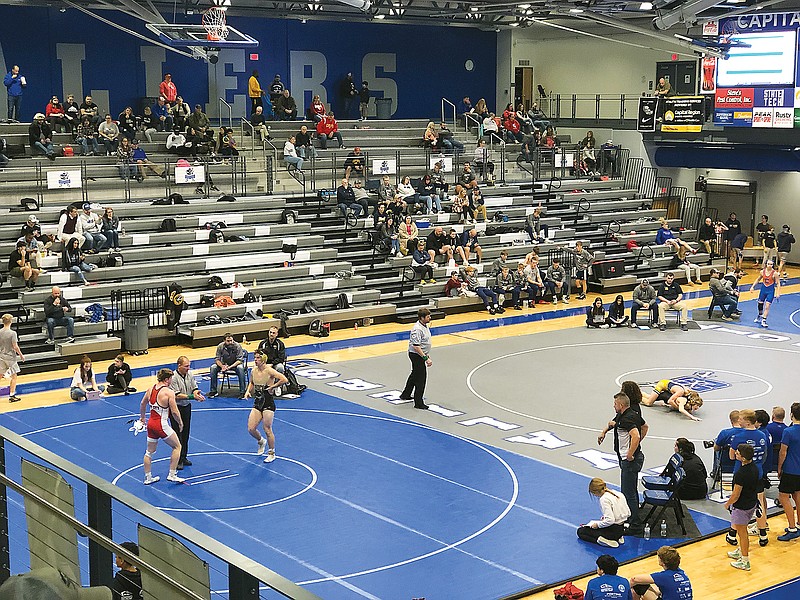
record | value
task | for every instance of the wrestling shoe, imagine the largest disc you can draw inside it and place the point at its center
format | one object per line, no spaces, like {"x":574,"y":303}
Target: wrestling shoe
{"x":731,"y":539}
{"x":174,"y":478}
{"x":763,"y":541}
{"x":150,"y":479}
{"x":735,"y":554}
{"x":789,"y":536}
{"x":270,"y":456}
{"x":742,"y":564}
{"x":764,"y":324}
{"x":752,"y":529}
{"x":757,"y":319}
{"x":262,"y":444}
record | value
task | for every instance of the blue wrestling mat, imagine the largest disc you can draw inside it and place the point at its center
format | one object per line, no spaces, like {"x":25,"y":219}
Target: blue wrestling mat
{"x":358,"y":503}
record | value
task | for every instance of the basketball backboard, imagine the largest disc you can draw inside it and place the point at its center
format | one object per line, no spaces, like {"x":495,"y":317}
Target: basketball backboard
{"x":180,"y":36}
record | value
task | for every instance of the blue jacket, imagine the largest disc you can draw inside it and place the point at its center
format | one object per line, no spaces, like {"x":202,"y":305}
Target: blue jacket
{"x":14,"y":85}
{"x":160,"y":111}
{"x":663,"y":235}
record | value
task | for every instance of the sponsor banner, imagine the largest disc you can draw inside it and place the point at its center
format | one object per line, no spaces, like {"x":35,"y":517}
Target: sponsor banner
{"x":711,"y":28}
{"x":734,"y":98}
{"x":783,"y":118}
{"x":761,"y":22}
{"x":445,"y":163}
{"x":384,"y":167}
{"x":683,"y":114}
{"x":728,"y":117}
{"x":194,"y":174}
{"x":762,"y":117}
{"x":797,"y":118}
{"x":708,"y":84}
{"x":647,"y":113}
{"x":797,"y":97}
{"x":776,"y":97}
{"x":63,"y":180}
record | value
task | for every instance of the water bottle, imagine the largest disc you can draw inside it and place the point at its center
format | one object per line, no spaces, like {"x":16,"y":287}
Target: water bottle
{"x":663,"y":529}
{"x":647,"y":531}
{"x":244,"y":339}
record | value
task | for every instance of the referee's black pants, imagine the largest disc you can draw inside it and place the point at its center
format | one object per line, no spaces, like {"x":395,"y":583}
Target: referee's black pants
{"x":416,"y":380}
{"x":183,"y":436}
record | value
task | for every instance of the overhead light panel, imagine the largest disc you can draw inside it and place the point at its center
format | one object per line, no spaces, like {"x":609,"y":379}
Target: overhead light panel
{"x":646,"y":6}
{"x":576,"y":11}
{"x":683,"y":37}
{"x":524,"y":6}
{"x":380,"y":16}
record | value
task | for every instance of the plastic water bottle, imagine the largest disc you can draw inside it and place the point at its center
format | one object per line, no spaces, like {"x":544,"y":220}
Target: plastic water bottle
{"x":647,"y":531}
{"x":244,"y":340}
{"x":663,"y":528}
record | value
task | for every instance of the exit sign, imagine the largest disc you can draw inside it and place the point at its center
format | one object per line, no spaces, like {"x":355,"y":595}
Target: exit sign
{"x":254,"y":57}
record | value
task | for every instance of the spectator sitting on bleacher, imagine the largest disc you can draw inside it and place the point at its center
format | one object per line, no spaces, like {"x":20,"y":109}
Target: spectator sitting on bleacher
{"x":528,"y":148}
{"x":511,"y":126}
{"x":385,"y":190}
{"x":147,"y":124}
{"x":438,"y":179}
{"x":363,"y":198}
{"x":161,"y":113}
{"x":707,"y":235}
{"x":57,"y":311}
{"x":459,"y":204}
{"x":57,"y":117}
{"x":526,"y":279}
{"x":19,"y":266}
{"x":354,"y":163}
{"x":538,"y":118}
{"x":259,"y":123}
{"x":724,"y":295}
{"x":446,"y":139}
{"x":616,"y":313}
{"x":488,"y":297}
{"x":70,"y":226}
{"x":469,"y":243}
{"x":556,"y":281}
{"x":328,"y":128}
{"x":73,"y":111}
{"x":346,"y":200}
{"x":305,"y":148}
{"x":524,"y":120}
{"x":670,"y":295}
{"x":176,"y":143}
{"x":125,"y":164}
{"x":40,"y":136}
{"x":477,"y":205}
{"x":119,"y":377}
{"x":644,"y":297}
{"x":596,"y":315}
{"x":407,"y":231}
{"x":230,"y":357}
{"x":89,"y":109}
{"x":481,"y":109}
{"x":467,"y":178}
{"x":379,"y":215}
{"x":111,"y":228}
{"x":454,"y":241}
{"x":664,"y":236}
{"x":679,"y":261}
{"x":72,"y":259}
{"x":499,"y":262}
{"x":388,"y":231}
{"x":428,"y":196}
{"x":454,"y":287}
{"x":504,"y":285}
{"x":484,"y":163}
{"x":4,"y":160}
{"x":285,"y":107}
{"x":143,"y":164}
{"x":490,"y":127}
{"x":179,"y":112}
{"x":437,"y":244}
{"x":317,"y":109}
{"x":227,"y":148}
{"x":407,"y":192}
{"x":108,"y":134}
{"x":92,"y":231}
{"x":86,"y":134}
{"x":32,"y":226}
{"x":421,"y":263}
{"x":126,"y":121}
{"x":430,"y":139}
{"x":465,"y":106}
{"x":290,"y":155}
{"x":35,"y":250}
{"x":397,"y":207}
{"x":549,"y":139}
{"x":534,"y":227}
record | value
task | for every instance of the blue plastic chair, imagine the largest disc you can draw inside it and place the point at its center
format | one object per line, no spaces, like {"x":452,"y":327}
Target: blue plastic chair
{"x":663,"y":481}
{"x":665,"y":499}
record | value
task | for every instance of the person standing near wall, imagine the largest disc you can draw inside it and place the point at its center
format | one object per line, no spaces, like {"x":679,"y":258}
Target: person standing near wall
{"x":254,"y":91}
{"x":15,"y":83}
{"x":9,"y":351}
{"x":419,"y":348}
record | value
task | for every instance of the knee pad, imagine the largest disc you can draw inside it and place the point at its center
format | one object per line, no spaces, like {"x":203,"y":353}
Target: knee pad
{"x":760,"y":307}
{"x":148,"y":453}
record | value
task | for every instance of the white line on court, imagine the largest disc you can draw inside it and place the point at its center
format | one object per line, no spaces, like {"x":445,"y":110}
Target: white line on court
{"x":791,"y":318}
{"x":192,"y":478}
{"x":215,"y":479}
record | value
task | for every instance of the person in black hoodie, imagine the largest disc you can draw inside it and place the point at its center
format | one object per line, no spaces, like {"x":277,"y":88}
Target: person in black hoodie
{"x":616,"y":313}
{"x":694,"y":486}
{"x":363,"y":96}
{"x":40,"y":135}
{"x":128,"y":580}
{"x":785,"y":241}
{"x":119,"y":377}
{"x":596,"y":315}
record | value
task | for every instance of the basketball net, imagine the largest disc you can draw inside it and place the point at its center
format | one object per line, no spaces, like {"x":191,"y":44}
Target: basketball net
{"x":214,"y":23}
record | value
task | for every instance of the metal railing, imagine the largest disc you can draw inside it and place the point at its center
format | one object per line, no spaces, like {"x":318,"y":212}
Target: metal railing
{"x":647,"y":251}
{"x":244,"y":575}
{"x":222,"y":103}
{"x":566,"y":106}
{"x":582,"y":206}
{"x":612,"y":227}
{"x":446,"y":103}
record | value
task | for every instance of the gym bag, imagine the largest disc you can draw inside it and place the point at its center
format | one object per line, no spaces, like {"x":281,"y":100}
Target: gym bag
{"x":168,"y":225}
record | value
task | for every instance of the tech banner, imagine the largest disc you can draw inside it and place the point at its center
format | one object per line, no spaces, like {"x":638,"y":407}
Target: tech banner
{"x":683,"y":114}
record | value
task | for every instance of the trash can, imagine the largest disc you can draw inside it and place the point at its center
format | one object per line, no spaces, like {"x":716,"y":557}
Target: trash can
{"x":134,"y":329}
{"x":383,"y":108}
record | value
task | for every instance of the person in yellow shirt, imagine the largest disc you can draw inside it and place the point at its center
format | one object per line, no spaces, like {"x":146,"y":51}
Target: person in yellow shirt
{"x":254,"y":91}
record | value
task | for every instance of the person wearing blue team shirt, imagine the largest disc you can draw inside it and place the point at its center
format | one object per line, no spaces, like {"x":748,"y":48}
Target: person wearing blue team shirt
{"x":789,"y":472}
{"x":750,"y":434}
{"x":607,"y":585}
{"x":669,"y":584}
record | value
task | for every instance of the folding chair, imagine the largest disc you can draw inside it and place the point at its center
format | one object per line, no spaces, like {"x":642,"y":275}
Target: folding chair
{"x":663,"y":481}
{"x":226,"y":376}
{"x":665,"y":499}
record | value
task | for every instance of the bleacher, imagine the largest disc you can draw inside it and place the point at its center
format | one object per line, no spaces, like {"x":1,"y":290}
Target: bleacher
{"x":333,"y":258}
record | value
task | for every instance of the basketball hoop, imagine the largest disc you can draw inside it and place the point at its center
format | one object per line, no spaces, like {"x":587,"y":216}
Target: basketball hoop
{"x":214,"y":24}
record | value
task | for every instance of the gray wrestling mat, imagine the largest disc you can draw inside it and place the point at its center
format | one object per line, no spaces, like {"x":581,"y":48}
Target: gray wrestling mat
{"x":547,"y":395}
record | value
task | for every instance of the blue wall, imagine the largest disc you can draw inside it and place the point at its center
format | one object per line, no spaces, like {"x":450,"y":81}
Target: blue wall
{"x":421,"y":63}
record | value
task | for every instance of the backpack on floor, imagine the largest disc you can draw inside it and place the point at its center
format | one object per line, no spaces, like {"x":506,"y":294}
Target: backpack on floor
{"x":293,"y":387}
{"x":114,"y":259}
{"x":319,"y":329}
{"x":168,"y":225}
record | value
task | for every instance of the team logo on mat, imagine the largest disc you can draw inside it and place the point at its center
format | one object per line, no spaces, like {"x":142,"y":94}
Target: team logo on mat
{"x":701,"y":381}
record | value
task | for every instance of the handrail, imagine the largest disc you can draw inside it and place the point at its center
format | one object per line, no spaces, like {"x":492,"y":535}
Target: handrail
{"x":205,"y":542}
{"x":583,"y":206}
{"x":475,"y":120}
{"x":642,"y":249}
{"x":597,"y":100}
{"x":230,"y":112}
{"x":455,"y":112}
{"x":404,"y":277}
{"x":614,"y":224}
{"x":252,"y":129}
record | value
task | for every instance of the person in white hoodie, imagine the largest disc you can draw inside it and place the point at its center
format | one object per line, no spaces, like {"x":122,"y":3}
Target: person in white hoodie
{"x":609,"y":529}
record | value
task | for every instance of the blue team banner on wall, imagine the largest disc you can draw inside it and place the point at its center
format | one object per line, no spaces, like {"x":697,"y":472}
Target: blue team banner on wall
{"x":77,"y":54}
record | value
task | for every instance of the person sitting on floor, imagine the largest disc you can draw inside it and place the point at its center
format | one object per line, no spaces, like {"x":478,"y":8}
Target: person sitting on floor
{"x":616,"y":313}
{"x":119,"y":377}
{"x":670,"y":583}
{"x":607,"y":585}
{"x":84,"y":380}
{"x":609,"y":529}
{"x":596,"y":315}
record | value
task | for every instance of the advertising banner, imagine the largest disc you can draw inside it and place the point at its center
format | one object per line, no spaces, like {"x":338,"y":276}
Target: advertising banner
{"x":647,"y":113}
{"x":194,"y":174}
{"x":63,"y":180}
{"x":384,"y":167}
{"x":683,"y":114}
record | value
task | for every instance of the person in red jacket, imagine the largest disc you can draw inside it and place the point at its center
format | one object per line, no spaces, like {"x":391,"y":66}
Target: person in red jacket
{"x":511,"y":125}
{"x":328,"y":128}
{"x":55,"y":114}
{"x":168,"y":89}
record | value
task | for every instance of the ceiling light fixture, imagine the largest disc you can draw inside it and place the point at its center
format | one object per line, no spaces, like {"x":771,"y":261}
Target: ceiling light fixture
{"x":380,"y":16}
{"x":576,"y":11}
{"x":646,"y":6}
{"x":683,"y":37}
{"x":524,"y":6}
